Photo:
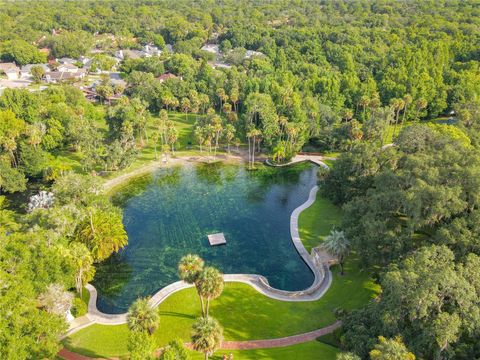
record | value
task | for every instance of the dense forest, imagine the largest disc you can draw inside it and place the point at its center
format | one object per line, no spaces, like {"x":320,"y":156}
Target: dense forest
{"x":325,"y":76}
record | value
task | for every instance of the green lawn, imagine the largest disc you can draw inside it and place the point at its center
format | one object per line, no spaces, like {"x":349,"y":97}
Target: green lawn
{"x":389,"y":137}
{"x":332,"y":154}
{"x":184,"y":125}
{"x":312,"y":350}
{"x":391,"y":128}
{"x":330,"y":163}
{"x":184,"y":142}
{"x":316,"y":222}
{"x":244,"y":313}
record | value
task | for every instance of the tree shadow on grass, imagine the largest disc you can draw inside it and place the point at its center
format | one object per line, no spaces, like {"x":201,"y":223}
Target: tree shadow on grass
{"x":176,"y":314}
{"x":67,"y":343}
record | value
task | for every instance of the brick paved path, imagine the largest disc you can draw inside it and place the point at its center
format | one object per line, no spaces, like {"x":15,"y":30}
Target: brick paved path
{"x":280,"y":342}
{"x":68,"y":355}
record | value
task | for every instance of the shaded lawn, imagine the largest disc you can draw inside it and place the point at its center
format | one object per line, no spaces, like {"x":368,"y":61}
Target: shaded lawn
{"x":389,"y":136}
{"x":316,"y":222}
{"x":185,"y":127}
{"x":185,"y":137}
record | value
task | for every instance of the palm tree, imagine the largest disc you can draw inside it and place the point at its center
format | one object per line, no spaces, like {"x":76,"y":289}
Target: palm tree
{"x":199,"y":134}
{"x":251,"y":136}
{"x":217,"y":128}
{"x":397,"y":105}
{"x":229,"y":135}
{"x":186,"y":106}
{"x":207,"y":336}
{"x":175,"y":350}
{"x":363,"y":103}
{"x":234,"y":97}
{"x":36,"y":133}
{"x":155,"y":138}
{"x":172,"y":135}
{"x":374,"y":104}
{"x":142,"y":317}
{"x":420,"y":104}
{"x":204,"y":101}
{"x":337,"y":245}
{"x":83,"y":262}
{"x":189,"y":267}
{"x":102,"y":232}
{"x":209,"y":286}
{"x":222,"y":96}
{"x":407,"y":99}
{"x":209,"y":132}
{"x":279,"y":153}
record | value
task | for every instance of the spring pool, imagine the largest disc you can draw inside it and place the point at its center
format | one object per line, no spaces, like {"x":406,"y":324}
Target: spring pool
{"x":170,"y":212}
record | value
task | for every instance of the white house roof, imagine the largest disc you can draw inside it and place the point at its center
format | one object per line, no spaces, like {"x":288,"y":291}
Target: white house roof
{"x":250,"y":53}
{"x":66,"y":61}
{"x":69,"y":66}
{"x":211,"y":48}
{"x":28,"y":68}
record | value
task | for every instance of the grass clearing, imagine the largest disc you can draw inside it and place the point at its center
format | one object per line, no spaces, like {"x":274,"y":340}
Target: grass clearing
{"x":316,"y":222}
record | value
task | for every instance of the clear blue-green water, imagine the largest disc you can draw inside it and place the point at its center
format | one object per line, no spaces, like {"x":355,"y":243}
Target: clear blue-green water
{"x":170,"y":212}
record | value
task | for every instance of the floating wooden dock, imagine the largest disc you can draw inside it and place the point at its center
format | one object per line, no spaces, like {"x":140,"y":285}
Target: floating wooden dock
{"x":217,"y":239}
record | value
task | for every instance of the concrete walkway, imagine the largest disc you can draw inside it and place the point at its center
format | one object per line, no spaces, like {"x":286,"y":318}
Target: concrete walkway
{"x":316,"y":159}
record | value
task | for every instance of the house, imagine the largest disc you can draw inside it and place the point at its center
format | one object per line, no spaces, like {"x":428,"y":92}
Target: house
{"x":66,"y":60}
{"x":211,"y":48}
{"x":61,"y":76}
{"x":69,"y":68}
{"x":250,"y":53}
{"x":26,"y":71}
{"x":85,"y":61}
{"x":151,"y":50}
{"x":221,"y":65}
{"x":11,"y":70}
{"x":129,"y":54}
{"x":169,"y":47}
{"x":116,"y":79}
{"x":166,"y":76}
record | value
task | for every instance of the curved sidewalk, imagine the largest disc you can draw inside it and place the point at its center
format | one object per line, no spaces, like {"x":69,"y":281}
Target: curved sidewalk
{"x":316,"y":159}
